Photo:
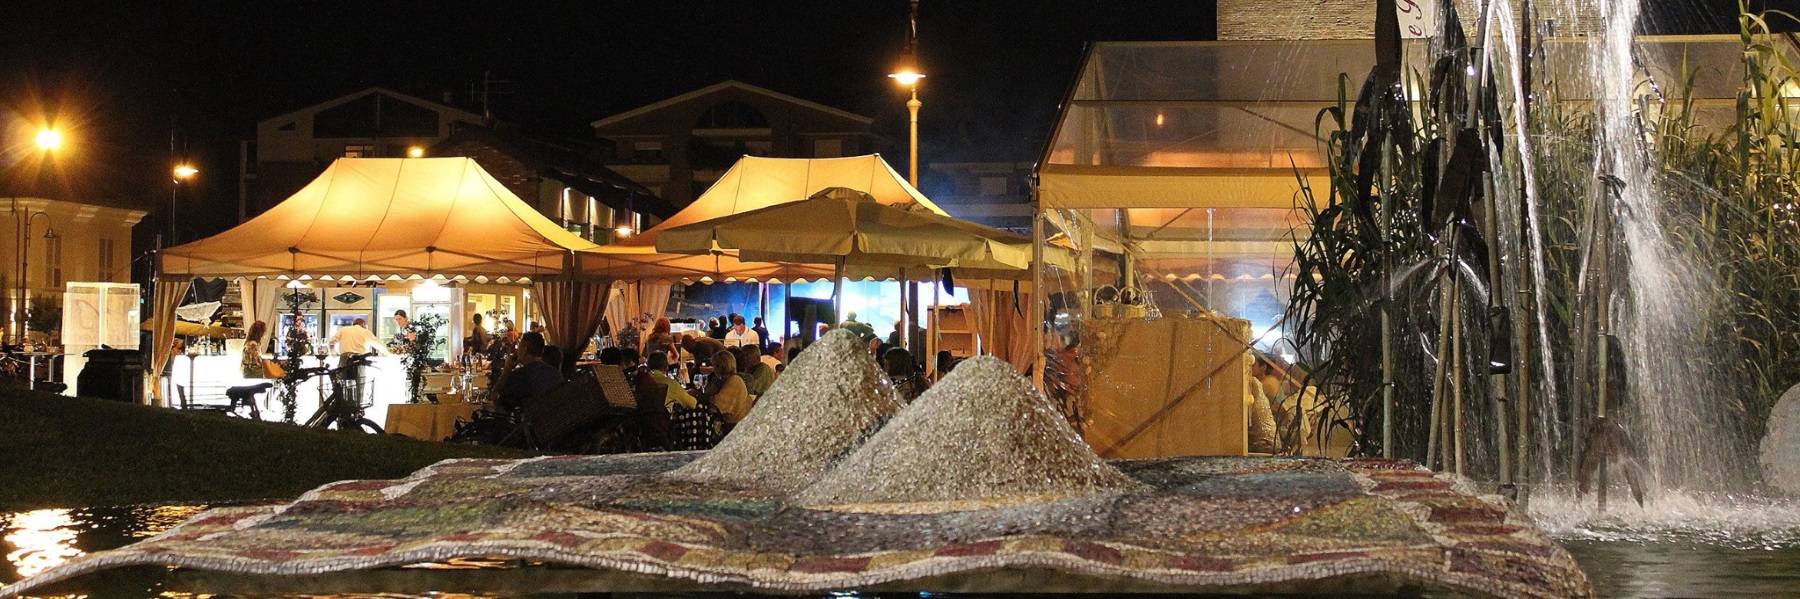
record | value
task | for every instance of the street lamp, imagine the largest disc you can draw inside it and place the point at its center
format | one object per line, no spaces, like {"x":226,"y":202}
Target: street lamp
{"x":49,"y":139}
{"x":415,"y":152}
{"x":183,"y":172}
{"x":25,"y":268}
{"x":908,"y":74}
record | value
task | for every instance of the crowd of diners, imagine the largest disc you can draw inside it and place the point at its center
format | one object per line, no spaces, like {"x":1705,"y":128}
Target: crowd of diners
{"x":689,"y":388}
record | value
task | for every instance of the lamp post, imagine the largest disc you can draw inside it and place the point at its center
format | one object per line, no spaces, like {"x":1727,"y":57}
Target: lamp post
{"x":907,"y":73}
{"x":182,"y":173}
{"x":25,"y":266}
{"x":48,"y":140}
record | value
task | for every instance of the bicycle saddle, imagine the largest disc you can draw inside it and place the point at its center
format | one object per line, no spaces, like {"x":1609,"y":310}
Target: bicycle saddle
{"x":246,"y":391}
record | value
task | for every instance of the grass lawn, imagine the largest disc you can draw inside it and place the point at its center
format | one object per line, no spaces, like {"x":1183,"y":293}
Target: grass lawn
{"x":70,"y":452}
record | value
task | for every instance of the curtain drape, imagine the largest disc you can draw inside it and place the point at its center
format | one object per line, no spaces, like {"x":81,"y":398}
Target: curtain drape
{"x":1001,"y":325}
{"x":571,"y":312}
{"x":260,"y":297}
{"x":653,"y":298}
{"x":162,"y":333}
{"x":618,"y":308}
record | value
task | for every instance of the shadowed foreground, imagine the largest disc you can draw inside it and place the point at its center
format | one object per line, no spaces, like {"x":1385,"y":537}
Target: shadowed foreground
{"x":71,"y":452}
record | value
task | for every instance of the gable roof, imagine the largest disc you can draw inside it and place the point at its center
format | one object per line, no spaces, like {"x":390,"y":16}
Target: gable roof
{"x":722,"y":86}
{"x":438,"y":106}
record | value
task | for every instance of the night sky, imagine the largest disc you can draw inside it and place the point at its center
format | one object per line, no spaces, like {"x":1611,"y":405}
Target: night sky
{"x":121,"y":77}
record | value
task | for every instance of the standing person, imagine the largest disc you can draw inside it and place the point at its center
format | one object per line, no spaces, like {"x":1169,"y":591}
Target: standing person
{"x":715,"y":328}
{"x":726,"y":390}
{"x":762,"y":333}
{"x":355,"y":339}
{"x":699,"y":348}
{"x":660,"y":338}
{"x":252,"y":359}
{"x":479,"y":339}
{"x":740,"y":335}
{"x":403,"y":335}
{"x":862,"y":329}
{"x":759,"y":374}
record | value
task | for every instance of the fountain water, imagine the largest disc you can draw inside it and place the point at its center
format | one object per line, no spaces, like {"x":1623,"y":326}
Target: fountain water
{"x":1676,"y":405}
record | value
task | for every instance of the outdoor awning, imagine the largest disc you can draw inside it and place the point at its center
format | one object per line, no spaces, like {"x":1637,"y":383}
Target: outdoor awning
{"x":752,"y":183}
{"x":388,"y":217}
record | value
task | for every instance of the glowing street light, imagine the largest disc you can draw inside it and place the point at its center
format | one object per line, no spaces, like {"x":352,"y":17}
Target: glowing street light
{"x":415,"y":152}
{"x":49,"y":139}
{"x":908,"y":78}
{"x":185,"y":171}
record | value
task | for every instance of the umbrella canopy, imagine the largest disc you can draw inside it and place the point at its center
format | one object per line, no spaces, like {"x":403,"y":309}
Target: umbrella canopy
{"x":843,"y":225}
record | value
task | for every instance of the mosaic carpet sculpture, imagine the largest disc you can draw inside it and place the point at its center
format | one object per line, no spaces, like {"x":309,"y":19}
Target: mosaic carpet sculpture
{"x":827,"y":403}
{"x":982,"y":432}
{"x":1010,"y":490}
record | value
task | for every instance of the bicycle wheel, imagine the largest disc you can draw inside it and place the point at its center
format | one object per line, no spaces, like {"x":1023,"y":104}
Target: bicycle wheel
{"x":366,"y":425}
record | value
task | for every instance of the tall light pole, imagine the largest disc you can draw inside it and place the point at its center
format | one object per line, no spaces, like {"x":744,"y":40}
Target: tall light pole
{"x":907,"y":73}
{"x":25,"y":266}
{"x":49,"y":139}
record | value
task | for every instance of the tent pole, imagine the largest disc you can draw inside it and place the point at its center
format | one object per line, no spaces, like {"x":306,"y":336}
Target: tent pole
{"x":1038,"y":296}
{"x":787,"y":299}
{"x":837,"y":290}
{"x":905,"y":322}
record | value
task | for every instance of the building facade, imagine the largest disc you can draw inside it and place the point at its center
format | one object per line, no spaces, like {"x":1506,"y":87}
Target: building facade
{"x":292,"y":148}
{"x":60,"y":242}
{"x":564,"y":179}
{"x":996,"y":194}
{"x":678,"y":147}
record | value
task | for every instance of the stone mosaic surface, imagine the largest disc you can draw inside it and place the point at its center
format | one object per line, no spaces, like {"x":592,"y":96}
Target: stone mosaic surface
{"x":1194,"y":523}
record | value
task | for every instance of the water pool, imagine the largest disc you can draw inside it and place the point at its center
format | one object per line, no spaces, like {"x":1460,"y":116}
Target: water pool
{"x":1681,"y":547}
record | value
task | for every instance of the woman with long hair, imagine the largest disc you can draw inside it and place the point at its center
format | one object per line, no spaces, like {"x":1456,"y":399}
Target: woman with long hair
{"x":660,"y":339}
{"x":251,"y":360}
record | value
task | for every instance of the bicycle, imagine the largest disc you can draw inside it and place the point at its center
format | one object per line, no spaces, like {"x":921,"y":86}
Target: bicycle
{"x":342,"y":408}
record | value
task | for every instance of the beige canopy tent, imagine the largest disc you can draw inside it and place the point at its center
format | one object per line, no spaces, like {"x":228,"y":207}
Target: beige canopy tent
{"x":752,"y":183}
{"x":388,"y":216}
{"x":396,"y":217}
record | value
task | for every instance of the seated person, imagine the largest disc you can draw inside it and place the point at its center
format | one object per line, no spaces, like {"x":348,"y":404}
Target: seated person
{"x":532,"y":377}
{"x":612,"y":356}
{"x":726,"y":389}
{"x":757,"y":372}
{"x":898,"y":363}
{"x":629,"y":360}
{"x":654,"y":385}
{"x":1262,"y":417}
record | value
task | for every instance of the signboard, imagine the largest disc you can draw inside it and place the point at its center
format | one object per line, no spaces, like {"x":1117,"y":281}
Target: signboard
{"x":1418,"y":18}
{"x":96,"y":314}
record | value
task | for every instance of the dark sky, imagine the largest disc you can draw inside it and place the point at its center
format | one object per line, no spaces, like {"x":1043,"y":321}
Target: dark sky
{"x":122,"y":76}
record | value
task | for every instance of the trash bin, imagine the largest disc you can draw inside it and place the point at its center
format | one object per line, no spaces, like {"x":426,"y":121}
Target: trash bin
{"x":113,"y":374}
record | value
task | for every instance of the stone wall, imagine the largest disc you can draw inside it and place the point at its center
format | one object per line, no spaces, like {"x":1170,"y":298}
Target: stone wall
{"x":1355,"y":19}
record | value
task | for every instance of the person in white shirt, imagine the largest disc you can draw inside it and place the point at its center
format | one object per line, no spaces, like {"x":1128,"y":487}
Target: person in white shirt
{"x":356,"y":339}
{"x":739,"y":335}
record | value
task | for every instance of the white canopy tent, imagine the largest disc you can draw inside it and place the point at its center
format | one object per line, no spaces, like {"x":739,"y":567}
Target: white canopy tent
{"x":388,"y":217}
{"x":381,"y":218}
